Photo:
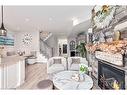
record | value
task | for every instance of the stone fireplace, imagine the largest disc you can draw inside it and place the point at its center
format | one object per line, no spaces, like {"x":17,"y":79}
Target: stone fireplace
{"x":110,"y":77}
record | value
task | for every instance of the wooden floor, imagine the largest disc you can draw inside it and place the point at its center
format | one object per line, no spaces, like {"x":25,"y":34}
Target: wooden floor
{"x":36,"y":73}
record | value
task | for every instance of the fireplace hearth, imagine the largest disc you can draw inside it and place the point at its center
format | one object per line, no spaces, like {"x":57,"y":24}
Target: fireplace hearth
{"x":110,"y":77}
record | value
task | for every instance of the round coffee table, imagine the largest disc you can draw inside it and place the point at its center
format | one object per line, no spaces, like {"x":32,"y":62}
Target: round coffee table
{"x":63,"y":81}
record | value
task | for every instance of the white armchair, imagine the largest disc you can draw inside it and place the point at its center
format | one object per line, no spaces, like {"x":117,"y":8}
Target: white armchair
{"x":73,"y":62}
{"x":56,"y":64}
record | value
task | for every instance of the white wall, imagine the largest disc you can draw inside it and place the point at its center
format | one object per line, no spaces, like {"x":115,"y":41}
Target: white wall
{"x":33,"y":46}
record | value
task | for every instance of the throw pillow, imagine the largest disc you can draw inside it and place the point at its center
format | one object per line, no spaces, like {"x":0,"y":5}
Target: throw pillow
{"x":75,"y":61}
{"x":57,"y":61}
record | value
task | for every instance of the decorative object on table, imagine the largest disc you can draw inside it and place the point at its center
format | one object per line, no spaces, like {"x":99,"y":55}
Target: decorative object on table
{"x":81,"y":48}
{"x":83,"y":69}
{"x":20,"y":53}
{"x":27,"y":39}
{"x":3,"y":31}
{"x":76,"y":77}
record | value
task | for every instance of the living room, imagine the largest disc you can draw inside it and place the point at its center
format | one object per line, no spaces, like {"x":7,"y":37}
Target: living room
{"x":63,"y":47}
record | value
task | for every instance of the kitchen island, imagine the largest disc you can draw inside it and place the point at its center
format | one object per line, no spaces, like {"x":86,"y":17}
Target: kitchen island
{"x":12,"y":71}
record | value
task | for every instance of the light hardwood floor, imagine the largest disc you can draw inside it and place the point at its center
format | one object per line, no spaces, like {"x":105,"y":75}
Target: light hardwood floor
{"x":36,"y":73}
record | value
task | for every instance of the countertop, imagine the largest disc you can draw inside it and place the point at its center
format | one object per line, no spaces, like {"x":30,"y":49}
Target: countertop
{"x":10,"y":60}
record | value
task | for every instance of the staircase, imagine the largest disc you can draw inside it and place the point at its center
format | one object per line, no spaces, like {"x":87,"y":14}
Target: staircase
{"x":45,"y":35}
{"x":41,"y":58}
{"x":45,"y":50}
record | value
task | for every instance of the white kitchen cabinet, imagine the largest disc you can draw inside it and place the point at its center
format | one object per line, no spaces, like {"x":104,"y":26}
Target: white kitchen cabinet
{"x":1,"y":78}
{"x":11,"y":76}
{"x":12,"y":73}
{"x":21,"y":72}
{"x":15,"y":74}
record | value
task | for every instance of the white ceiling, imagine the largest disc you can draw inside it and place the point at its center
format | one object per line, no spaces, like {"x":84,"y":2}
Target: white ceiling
{"x":55,"y":19}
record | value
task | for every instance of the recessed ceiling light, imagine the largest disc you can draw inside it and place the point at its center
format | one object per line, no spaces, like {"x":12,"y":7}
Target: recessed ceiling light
{"x":75,"y":21}
{"x":50,"y":19}
{"x":27,"y":19}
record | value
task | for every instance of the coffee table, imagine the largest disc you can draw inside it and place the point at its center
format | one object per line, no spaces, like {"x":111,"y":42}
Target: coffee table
{"x":63,"y":81}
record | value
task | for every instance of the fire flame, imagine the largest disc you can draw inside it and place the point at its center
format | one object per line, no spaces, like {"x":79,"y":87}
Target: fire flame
{"x":116,"y":85}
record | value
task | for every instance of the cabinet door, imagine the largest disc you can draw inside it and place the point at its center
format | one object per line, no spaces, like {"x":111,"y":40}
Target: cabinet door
{"x":1,"y":78}
{"x":11,"y":76}
{"x":21,"y":72}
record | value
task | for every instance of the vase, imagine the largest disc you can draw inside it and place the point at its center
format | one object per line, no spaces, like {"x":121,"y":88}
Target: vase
{"x":117,"y":35}
{"x":82,"y":76}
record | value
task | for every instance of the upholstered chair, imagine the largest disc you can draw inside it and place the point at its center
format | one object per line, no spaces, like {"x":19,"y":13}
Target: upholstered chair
{"x":73,"y":62}
{"x":56,"y":64}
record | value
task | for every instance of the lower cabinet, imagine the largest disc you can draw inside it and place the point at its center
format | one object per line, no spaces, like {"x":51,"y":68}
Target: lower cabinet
{"x":13,"y":75}
{"x":1,"y":78}
{"x":21,"y":72}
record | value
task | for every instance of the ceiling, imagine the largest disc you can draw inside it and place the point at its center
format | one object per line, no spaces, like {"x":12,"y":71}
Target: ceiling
{"x":55,"y":19}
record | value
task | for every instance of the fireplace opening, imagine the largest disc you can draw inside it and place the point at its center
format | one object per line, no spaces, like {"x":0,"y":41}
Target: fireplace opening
{"x":110,"y":77}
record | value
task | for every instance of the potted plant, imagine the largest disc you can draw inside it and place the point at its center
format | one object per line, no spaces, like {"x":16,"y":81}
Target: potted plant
{"x":81,"y":48}
{"x":83,"y":69}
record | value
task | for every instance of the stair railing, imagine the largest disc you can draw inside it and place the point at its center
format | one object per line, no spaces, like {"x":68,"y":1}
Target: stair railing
{"x":45,"y":49}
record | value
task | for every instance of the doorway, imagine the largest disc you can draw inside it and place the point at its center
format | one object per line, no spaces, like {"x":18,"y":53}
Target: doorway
{"x":62,"y":47}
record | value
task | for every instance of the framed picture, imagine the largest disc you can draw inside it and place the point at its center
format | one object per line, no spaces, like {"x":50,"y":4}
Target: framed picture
{"x":6,"y":41}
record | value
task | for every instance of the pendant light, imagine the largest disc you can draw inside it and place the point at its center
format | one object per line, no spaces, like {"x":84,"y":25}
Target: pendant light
{"x":3,"y":31}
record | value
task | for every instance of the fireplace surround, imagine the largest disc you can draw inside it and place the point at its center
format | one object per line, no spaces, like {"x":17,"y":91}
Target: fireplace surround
{"x":110,"y":77}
